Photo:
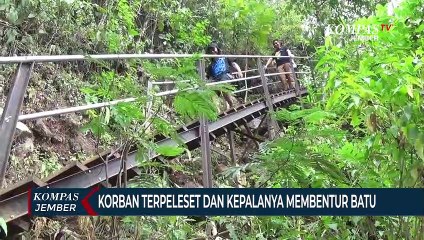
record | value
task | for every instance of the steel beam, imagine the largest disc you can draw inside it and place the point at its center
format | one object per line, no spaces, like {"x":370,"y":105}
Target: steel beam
{"x":272,"y":125}
{"x":205,"y":144}
{"x":232,"y":147}
{"x":296,"y":81}
{"x":205,"y":147}
{"x":10,"y":114}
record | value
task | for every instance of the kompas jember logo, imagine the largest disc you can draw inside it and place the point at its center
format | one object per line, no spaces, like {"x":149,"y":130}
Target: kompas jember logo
{"x":358,"y":32}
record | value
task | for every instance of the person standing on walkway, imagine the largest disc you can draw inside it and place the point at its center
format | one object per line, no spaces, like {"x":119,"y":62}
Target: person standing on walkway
{"x":284,"y":64}
{"x":294,"y":65}
{"x":219,"y":69}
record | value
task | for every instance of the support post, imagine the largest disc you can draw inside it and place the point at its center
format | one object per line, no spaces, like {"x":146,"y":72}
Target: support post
{"x":149,"y":104}
{"x":245,"y":75}
{"x":272,"y":125}
{"x":148,"y":113}
{"x":296,"y":81}
{"x":10,"y":114}
{"x":311,"y":67}
{"x":204,"y":139}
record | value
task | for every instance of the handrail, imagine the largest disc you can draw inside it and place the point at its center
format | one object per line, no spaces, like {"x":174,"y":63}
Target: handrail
{"x":280,"y":73}
{"x":184,"y":81}
{"x":61,"y":58}
{"x":251,"y":88}
{"x":56,"y":112}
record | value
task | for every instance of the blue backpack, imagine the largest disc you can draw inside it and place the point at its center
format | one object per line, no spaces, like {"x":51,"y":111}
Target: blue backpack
{"x":219,"y":67}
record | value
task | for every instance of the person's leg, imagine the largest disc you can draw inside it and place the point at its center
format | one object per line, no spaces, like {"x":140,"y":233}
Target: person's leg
{"x":280,"y":69}
{"x":290,"y":81}
{"x":227,"y":96}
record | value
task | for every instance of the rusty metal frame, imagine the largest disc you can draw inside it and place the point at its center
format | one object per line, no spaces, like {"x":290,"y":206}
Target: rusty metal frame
{"x":296,"y":81}
{"x":205,"y":144}
{"x":232,"y":147}
{"x":272,"y":125}
{"x":10,"y":115}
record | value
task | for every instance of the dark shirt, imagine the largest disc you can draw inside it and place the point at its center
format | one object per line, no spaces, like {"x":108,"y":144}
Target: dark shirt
{"x":283,"y":52}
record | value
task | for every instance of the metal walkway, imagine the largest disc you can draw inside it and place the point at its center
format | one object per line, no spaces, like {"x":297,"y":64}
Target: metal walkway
{"x":14,"y":199}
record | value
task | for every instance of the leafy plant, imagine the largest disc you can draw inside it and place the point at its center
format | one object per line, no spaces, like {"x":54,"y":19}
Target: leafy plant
{"x":367,"y":133}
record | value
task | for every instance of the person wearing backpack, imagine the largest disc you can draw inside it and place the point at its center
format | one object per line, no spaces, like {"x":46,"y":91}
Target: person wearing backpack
{"x":220,"y":69}
{"x":284,"y":64}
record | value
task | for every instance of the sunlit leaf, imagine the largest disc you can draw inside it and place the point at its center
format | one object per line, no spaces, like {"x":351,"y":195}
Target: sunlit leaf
{"x":170,"y":151}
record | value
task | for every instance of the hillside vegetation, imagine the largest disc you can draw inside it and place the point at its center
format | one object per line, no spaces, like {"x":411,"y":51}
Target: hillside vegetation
{"x":360,"y":126}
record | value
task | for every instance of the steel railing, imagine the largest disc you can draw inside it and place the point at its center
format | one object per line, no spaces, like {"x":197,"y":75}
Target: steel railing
{"x":13,"y":105}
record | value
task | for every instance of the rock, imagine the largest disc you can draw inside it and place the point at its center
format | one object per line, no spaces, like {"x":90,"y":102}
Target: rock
{"x":23,"y":131}
{"x":42,"y":129}
{"x":190,"y":184}
{"x":211,"y":230}
{"x":199,"y":178}
{"x":22,"y":150}
{"x":56,"y":139}
{"x":178,"y":178}
{"x":22,"y":127}
{"x":220,"y":168}
{"x":241,"y":180}
{"x":74,"y":146}
{"x":254,"y":123}
{"x":75,"y":121}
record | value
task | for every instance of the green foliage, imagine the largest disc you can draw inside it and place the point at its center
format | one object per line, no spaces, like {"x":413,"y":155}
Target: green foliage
{"x":234,"y":17}
{"x":49,"y":165}
{"x":170,"y":151}
{"x":119,"y":30}
{"x":305,"y":164}
{"x":287,"y":26}
{"x":367,"y":133}
{"x":178,"y":70}
{"x":188,"y":29}
{"x":16,"y":13}
{"x":320,"y":14}
{"x":195,"y":98}
{"x":131,"y":121}
{"x":46,"y":27}
{"x":381,"y":89}
{"x":192,"y":104}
